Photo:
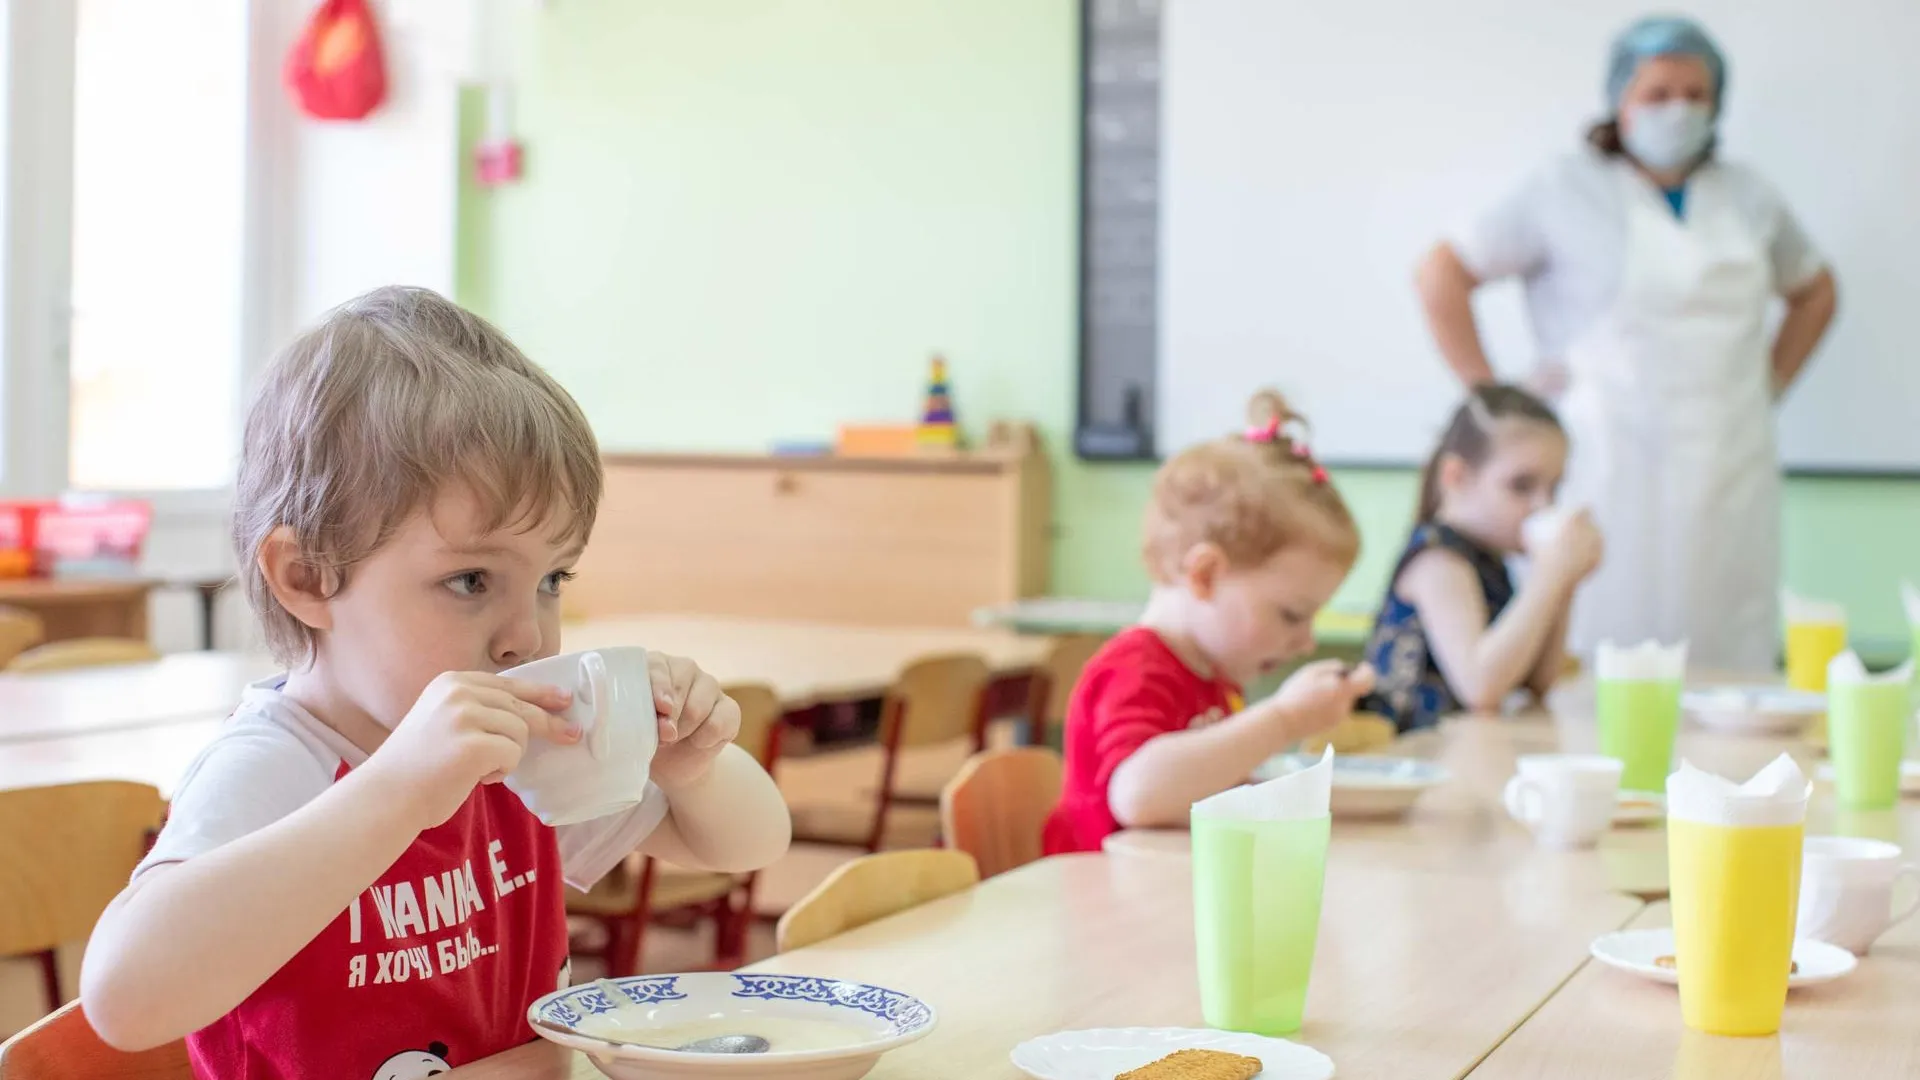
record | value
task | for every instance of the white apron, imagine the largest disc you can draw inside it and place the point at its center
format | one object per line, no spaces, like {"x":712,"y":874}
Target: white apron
{"x":1670,"y":416}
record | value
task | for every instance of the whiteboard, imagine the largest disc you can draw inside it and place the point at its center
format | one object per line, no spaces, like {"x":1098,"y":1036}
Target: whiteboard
{"x":1312,"y":151}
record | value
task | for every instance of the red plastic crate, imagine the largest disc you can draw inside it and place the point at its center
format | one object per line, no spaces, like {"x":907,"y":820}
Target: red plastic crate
{"x":47,"y":536}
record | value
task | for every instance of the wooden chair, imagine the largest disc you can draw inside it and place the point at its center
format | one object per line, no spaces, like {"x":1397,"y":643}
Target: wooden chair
{"x":871,"y":888}
{"x":936,"y":701}
{"x":641,"y":888}
{"x":63,"y":1046}
{"x":996,"y":809}
{"x":1053,"y":684}
{"x":65,"y":852}
{"x":83,"y":652}
{"x":20,"y":630}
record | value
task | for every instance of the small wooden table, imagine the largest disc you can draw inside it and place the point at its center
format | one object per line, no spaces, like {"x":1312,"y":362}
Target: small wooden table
{"x":1416,"y":975}
{"x":93,"y":700}
{"x":83,"y":607}
{"x":1608,"y":1023}
{"x":157,"y":755}
{"x":805,"y":663}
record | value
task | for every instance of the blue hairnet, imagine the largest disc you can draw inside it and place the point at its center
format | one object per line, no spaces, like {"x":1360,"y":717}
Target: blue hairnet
{"x":1662,"y":35}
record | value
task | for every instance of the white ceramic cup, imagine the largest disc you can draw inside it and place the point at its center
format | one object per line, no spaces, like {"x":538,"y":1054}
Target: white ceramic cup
{"x":606,"y":771}
{"x":1846,"y":891}
{"x":1543,"y":526}
{"x":1565,"y":800}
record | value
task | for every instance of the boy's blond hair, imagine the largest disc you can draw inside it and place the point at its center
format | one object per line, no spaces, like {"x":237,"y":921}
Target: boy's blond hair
{"x":364,"y":419}
{"x":1250,"y":494}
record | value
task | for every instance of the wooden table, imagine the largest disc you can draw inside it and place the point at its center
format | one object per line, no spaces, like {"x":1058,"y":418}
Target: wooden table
{"x":1607,"y":1023}
{"x":157,"y":755}
{"x":83,"y":607}
{"x":805,"y":663}
{"x":1333,"y":627}
{"x":184,"y":686}
{"x":1416,"y":975}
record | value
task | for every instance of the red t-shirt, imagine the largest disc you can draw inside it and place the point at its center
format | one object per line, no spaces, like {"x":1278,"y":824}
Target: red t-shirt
{"x":434,"y":964}
{"x":1133,"y":689}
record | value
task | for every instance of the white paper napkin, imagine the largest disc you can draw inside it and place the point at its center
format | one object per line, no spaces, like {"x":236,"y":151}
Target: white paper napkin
{"x":1776,"y":795}
{"x":1801,"y":609}
{"x":1304,"y":794}
{"x":1647,"y":660}
{"x":1847,"y":670}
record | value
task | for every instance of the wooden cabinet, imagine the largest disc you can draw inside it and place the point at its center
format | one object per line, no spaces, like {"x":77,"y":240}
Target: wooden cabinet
{"x":919,"y":541}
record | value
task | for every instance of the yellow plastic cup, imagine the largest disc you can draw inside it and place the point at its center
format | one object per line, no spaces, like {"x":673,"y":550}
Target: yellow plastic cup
{"x":1735,"y":894}
{"x":1811,"y":646}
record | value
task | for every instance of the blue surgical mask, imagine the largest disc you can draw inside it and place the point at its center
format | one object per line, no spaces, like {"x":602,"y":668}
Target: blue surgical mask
{"x":1670,"y":135}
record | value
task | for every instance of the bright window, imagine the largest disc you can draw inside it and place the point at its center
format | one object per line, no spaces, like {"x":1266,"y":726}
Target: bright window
{"x":159,"y":215}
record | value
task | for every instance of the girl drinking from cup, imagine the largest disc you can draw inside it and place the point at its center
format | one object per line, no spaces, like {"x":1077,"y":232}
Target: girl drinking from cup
{"x":1454,"y":633}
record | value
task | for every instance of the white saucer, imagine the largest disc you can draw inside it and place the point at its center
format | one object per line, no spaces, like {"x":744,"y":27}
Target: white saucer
{"x":1639,"y":808}
{"x":1635,"y":950}
{"x":1103,"y":1053}
{"x":1753,"y":710}
{"x":1909,"y":776}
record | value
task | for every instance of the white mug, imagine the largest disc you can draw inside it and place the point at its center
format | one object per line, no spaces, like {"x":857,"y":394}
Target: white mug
{"x":606,"y":771}
{"x":1846,"y":890}
{"x":1567,"y":800}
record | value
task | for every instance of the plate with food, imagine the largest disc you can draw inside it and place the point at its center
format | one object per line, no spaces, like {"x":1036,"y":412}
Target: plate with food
{"x":1360,"y":733}
{"x":1639,"y":808}
{"x":1365,"y":786}
{"x":1650,"y":954}
{"x":704,"y":1024}
{"x":1753,"y":710}
{"x":1167,"y":1054}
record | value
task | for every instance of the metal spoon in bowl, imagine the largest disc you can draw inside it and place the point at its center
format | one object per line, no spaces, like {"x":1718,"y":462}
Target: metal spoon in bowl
{"x":726,"y":1044}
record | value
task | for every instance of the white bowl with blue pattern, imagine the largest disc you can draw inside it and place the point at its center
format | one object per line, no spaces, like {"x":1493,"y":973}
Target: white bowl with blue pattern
{"x":788,"y":1010}
{"x":1365,"y":786}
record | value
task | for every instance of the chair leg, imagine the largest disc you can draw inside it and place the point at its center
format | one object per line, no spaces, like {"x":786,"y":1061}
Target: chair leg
{"x":891,"y":724}
{"x":1039,"y":690}
{"x":626,"y":943}
{"x":50,"y":976}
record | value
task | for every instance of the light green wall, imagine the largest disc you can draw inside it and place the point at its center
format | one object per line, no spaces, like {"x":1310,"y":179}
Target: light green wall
{"x":751,"y":219}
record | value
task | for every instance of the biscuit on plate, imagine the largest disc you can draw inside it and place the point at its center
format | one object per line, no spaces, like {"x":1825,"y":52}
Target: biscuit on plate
{"x":1197,"y":1065}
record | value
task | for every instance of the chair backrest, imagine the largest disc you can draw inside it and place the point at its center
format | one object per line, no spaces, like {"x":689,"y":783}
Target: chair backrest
{"x":63,"y":1046}
{"x":873,"y":887}
{"x":65,"y":852}
{"x":1065,"y":660}
{"x":937,"y":699}
{"x":760,"y":716}
{"x":20,"y":630}
{"x":997,"y":807}
{"x":83,"y":652}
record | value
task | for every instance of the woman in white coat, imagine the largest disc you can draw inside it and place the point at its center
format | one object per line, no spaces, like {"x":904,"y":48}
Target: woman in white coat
{"x":1650,"y":268}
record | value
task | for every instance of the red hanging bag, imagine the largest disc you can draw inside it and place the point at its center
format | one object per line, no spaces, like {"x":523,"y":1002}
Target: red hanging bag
{"x":336,"y":70}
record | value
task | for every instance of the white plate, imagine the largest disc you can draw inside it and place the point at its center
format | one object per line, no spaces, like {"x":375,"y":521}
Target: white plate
{"x":1103,"y":1053}
{"x":1365,"y":786}
{"x":1753,"y":710}
{"x":1909,"y":776}
{"x":1634,"y":951}
{"x":1640,"y":808}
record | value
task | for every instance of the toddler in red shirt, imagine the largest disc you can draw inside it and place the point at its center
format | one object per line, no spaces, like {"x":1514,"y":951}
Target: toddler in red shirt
{"x":1245,"y":539}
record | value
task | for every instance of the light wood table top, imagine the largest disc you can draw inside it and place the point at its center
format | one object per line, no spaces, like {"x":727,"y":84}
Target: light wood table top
{"x":1608,"y":1023}
{"x":802,"y":662}
{"x":74,"y":590}
{"x":1416,"y":975}
{"x":91,"y":700}
{"x":805,"y":663}
{"x":157,"y":755}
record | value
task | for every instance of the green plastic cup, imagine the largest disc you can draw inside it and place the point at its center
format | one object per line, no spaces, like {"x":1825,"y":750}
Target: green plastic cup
{"x":1638,"y":720}
{"x":1256,"y":917}
{"x":1866,"y":738}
